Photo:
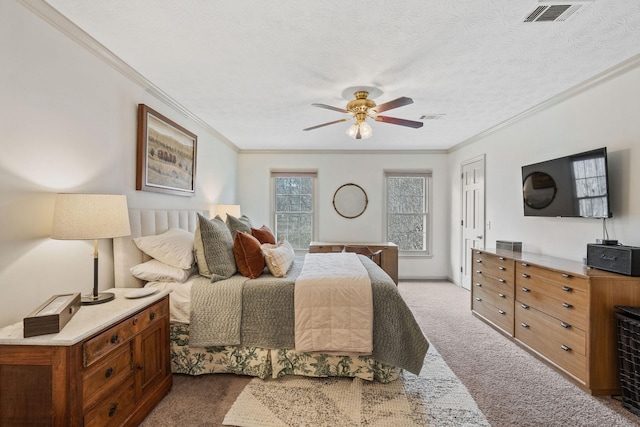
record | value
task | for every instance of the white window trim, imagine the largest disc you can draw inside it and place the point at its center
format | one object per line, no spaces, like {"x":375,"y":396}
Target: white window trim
{"x":427,"y":173}
{"x":274,"y":173}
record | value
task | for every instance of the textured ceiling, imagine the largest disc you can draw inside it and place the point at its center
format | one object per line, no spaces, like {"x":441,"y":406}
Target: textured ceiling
{"x":252,"y":69}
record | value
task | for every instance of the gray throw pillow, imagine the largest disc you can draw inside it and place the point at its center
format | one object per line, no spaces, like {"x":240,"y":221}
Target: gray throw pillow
{"x":213,"y":245}
{"x":242,"y":224}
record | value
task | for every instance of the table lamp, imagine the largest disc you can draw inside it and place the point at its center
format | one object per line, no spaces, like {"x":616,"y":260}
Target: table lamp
{"x":224,"y":210}
{"x":91,"y":217}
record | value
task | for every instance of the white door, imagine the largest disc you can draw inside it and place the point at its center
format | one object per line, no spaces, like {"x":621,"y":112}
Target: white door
{"x":472,"y":182}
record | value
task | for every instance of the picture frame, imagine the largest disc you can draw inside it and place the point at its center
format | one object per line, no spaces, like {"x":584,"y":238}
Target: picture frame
{"x":167,"y":155}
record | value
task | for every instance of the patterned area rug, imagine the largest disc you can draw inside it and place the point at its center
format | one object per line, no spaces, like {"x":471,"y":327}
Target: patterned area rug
{"x":435,"y":398}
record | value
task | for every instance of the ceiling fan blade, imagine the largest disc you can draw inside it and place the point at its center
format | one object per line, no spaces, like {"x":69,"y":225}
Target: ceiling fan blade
{"x":327,"y":124}
{"x":400,"y":102}
{"x":401,"y":122}
{"x":329,"y":107}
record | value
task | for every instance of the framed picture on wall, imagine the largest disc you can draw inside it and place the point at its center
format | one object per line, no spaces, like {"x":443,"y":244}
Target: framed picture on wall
{"x":166,"y":155}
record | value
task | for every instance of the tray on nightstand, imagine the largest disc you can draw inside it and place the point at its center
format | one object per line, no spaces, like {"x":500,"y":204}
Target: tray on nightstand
{"x":52,"y":315}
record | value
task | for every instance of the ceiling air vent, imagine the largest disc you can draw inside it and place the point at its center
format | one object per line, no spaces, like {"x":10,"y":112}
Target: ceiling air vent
{"x":556,"y":11}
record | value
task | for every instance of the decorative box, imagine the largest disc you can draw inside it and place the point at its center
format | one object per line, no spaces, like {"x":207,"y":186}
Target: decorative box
{"x":507,"y":245}
{"x":52,"y":315}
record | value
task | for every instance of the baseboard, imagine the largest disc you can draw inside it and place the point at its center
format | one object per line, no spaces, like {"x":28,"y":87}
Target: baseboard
{"x":424,"y":279}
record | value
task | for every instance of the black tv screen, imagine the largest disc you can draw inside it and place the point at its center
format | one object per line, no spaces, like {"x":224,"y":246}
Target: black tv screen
{"x":571,"y":186}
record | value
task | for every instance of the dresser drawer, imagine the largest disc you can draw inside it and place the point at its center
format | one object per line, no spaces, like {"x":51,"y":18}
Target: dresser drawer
{"x":563,"y":279}
{"x":495,"y":297}
{"x":502,"y":318}
{"x":572,"y":309}
{"x":113,"y":409}
{"x":561,"y":332}
{"x":494,"y":265}
{"x":490,"y":283}
{"x":100,"y":345}
{"x":533,"y":330}
{"x":100,"y":378}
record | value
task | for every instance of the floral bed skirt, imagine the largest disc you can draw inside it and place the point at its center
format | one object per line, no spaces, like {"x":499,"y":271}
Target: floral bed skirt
{"x":264,"y":363}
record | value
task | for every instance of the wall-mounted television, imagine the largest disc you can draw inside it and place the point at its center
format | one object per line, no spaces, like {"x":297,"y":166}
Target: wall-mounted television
{"x":570,"y":186}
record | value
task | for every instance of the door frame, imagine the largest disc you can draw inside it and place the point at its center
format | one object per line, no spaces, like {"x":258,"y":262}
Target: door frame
{"x":464,"y":163}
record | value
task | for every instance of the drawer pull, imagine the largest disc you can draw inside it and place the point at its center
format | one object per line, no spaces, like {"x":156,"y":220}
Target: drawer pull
{"x":478,"y":272}
{"x":565,"y":325}
{"x":114,"y":338}
{"x":567,"y":289}
{"x":501,"y":258}
{"x":526,"y":290}
{"x":501,"y":268}
{"x":501,"y":295}
{"x":479,"y":284}
{"x":479,"y":261}
{"x":524,"y":325}
{"x":478,"y":252}
{"x":501,"y":312}
{"x":525,"y":306}
{"x":566,"y":276}
{"x":524,"y":264}
{"x":113,"y":409}
{"x":526,"y":276}
{"x":501,"y":280}
{"x":567,"y":305}
{"x":565,"y":348}
{"x":152,"y":315}
{"x":135,"y":321}
{"x":108,"y":372}
{"x":478,"y":299}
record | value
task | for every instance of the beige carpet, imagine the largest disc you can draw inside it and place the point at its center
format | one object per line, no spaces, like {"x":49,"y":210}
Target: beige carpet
{"x":434,"y":398}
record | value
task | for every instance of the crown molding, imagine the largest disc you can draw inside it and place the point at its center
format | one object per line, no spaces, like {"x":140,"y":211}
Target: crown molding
{"x":598,"y":79}
{"x":358,"y":152}
{"x":49,"y":14}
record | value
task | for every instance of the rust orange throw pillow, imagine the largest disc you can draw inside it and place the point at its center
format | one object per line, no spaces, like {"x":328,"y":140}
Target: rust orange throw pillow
{"x":249,"y":258}
{"x":264,"y":235}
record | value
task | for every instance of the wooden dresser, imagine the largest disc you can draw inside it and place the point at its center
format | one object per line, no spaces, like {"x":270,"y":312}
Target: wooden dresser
{"x":388,"y":257}
{"x":109,"y":366}
{"x":558,"y":309}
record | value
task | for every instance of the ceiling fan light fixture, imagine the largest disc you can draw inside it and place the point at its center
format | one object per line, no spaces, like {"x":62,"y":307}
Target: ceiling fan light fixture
{"x":365,"y":130}
{"x":352,"y":131}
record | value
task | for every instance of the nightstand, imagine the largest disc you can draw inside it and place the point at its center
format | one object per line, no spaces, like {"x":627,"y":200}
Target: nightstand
{"x":109,"y":366}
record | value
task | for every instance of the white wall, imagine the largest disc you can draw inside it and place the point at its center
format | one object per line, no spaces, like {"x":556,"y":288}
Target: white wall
{"x":68,"y":124}
{"x":607,"y":114}
{"x":366,"y":170}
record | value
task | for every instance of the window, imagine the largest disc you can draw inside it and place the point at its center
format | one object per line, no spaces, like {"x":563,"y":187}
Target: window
{"x":294,"y":207}
{"x":408,"y":219}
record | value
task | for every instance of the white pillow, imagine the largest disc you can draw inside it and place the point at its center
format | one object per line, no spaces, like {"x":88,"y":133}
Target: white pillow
{"x":173,"y":247}
{"x":278,"y":257}
{"x":156,"y":271}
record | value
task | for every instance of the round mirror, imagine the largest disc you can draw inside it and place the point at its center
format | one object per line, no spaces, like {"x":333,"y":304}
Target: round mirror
{"x":350,"y":200}
{"x":539,"y":190}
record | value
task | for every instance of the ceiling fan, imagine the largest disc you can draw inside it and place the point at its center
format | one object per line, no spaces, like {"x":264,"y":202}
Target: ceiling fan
{"x":361,"y":107}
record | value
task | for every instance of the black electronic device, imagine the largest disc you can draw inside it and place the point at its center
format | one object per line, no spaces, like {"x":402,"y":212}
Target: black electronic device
{"x":615,"y":258}
{"x":570,"y":186}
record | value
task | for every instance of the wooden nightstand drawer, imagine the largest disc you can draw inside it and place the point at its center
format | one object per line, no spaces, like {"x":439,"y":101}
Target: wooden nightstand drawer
{"x":102,"y":344}
{"x":150,"y":315}
{"x":113,"y":409}
{"x":110,"y":339}
{"x":108,"y":373}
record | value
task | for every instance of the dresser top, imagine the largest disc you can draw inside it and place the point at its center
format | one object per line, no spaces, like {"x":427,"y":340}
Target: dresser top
{"x":88,"y":320}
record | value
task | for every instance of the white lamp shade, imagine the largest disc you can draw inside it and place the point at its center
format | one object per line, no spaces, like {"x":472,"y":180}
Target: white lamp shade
{"x":90,"y":216}
{"x":224,"y":210}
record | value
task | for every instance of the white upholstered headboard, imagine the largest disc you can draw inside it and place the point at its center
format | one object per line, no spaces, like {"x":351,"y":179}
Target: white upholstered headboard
{"x":146,"y":222}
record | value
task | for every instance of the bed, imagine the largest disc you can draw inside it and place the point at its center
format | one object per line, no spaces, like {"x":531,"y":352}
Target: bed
{"x":255,"y":330}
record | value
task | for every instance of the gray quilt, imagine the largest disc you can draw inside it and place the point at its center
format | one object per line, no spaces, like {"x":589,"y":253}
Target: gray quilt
{"x":265,"y":316}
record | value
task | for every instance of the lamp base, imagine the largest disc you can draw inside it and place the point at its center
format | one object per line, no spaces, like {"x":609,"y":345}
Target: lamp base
{"x":97,"y":299}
